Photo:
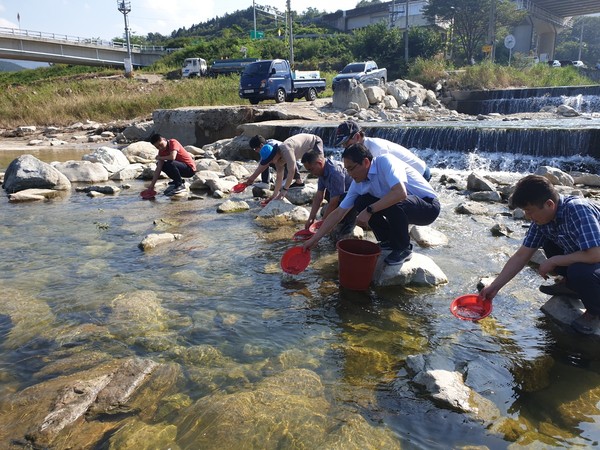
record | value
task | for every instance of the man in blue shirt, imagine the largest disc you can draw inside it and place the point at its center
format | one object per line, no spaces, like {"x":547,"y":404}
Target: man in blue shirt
{"x":332,"y":186}
{"x":568,"y":229}
{"x":388,"y":195}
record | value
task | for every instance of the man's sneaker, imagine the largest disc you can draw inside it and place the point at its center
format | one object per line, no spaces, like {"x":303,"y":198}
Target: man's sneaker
{"x":176,"y":190}
{"x":169,"y":189}
{"x":397,"y":257}
{"x":558,"y":289}
{"x":385,"y":245}
{"x":587,"y":324}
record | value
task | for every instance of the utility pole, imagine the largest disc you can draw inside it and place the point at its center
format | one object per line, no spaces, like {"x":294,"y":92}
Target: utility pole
{"x":406,"y":35}
{"x":289,"y":12}
{"x":254,"y":9}
{"x":125,"y":8}
{"x":492,"y":31}
{"x":580,"y":41}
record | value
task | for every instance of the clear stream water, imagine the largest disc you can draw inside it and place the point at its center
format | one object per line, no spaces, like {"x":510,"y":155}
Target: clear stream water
{"x":75,"y":254}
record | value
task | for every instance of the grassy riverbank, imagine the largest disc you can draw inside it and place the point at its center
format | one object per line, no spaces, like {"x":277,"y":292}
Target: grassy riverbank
{"x":61,"y":95}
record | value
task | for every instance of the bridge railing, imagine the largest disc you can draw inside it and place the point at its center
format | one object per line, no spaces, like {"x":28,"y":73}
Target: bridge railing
{"x":17,"y":32}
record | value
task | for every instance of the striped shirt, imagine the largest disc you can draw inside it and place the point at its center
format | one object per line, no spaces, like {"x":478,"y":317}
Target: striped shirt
{"x":575,"y":227}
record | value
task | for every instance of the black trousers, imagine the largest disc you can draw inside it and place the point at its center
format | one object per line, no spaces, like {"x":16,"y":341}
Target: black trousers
{"x":581,"y":277}
{"x":391,"y":224}
{"x":176,"y":170}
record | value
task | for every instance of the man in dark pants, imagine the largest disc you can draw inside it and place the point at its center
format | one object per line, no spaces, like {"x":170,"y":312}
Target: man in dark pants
{"x":332,"y":186}
{"x":389,"y":195}
{"x":568,"y":229}
{"x":173,"y":160}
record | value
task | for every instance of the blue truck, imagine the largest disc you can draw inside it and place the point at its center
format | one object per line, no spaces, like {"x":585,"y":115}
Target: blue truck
{"x":273,"y":79}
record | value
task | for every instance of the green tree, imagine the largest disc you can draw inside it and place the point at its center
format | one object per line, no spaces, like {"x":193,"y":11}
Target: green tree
{"x":470,"y":21}
{"x":568,"y":41}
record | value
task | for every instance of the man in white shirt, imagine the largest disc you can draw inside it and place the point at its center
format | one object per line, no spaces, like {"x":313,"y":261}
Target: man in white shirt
{"x":388,"y":194}
{"x":349,"y":133}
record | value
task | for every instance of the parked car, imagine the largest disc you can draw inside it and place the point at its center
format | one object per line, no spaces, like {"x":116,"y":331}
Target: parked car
{"x":365,"y":72}
{"x":272,"y":79}
{"x":579,"y":64}
{"x":554,"y":63}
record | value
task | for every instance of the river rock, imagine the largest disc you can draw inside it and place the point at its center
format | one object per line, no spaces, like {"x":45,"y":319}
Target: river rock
{"x":478,"y":183}
{"x":230,"y":207}
{"x":111,"y":158}
{"x":140,"y":152}
{"x":221,"y":184}
{"x":284,"y":410}
{"x":137,"y":435}
{"x":28,"y":172}
{"x":427,"y":236}
{"x":399,"y":90}
{"x":555,"y":176}
{"x":471,"y":208}
{"x":208,"y":164}
{"x":236,"y":169}
{"x":106,"y":189}
{"x":284,"y":210}
{"x":486,"y":196}
{"x":139,"y":131}
{"x":348,"y":91}
{"x":30,"y":195}
{"x":420,"y":270}
{"x":303,"y":195}
{"x":131,"y":172}
{"x":154,"y":239}
{"x":587,"y":179}
{"x":83,"y":171}
{"x":374,"y":94}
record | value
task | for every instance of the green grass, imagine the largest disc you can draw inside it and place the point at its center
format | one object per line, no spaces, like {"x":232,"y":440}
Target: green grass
{"x":61,"y":95}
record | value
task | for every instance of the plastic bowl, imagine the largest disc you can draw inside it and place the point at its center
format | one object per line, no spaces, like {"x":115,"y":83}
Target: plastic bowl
{"x":148,"y":194}
{"x":471,"y":307}
{"x":295,"y":260}
{"x":240,"y":187}
{"x":315,"y":226}
{"x":303,"y":235}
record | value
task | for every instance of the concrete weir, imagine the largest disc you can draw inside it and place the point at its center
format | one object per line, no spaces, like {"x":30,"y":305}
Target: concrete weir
{"x":559,"y":137}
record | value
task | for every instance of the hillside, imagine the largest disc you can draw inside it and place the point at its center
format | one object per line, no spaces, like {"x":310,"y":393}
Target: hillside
{"x":7,"y":66}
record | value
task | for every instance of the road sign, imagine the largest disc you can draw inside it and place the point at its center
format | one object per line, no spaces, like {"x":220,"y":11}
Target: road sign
{"x":510,"y":41}
{"x":257,"y":34}
{"x":486,"y":48}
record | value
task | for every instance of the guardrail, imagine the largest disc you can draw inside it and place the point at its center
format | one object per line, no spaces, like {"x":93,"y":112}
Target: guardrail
{"x":41,"y":35}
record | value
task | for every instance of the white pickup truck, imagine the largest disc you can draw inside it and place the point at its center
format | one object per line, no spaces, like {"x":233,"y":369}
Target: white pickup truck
{"x":365,"y":72}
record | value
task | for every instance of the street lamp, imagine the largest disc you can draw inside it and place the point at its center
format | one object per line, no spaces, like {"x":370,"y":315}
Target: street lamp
{"x":125,"y":8}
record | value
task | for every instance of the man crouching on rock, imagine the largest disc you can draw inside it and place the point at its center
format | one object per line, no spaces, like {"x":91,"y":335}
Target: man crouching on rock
{"x":173,"y":160}
{"x":388,"y":195}
{"x":568,"y":229}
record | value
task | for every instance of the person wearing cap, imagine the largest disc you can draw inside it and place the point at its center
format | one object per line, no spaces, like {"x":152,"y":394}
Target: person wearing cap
{"x":173,"y":160}
{"x":284,"y":156}
{"x":333,"y":183}
{"x":349,"y":132}
{"x":388,"y":195}
{"x":256,"y":143}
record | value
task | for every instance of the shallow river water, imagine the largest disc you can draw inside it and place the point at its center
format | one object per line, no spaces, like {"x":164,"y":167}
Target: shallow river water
{"x":220,"y":287}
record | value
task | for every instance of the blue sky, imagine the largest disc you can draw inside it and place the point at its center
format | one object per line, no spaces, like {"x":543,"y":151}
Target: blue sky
{"x":101,"y":18}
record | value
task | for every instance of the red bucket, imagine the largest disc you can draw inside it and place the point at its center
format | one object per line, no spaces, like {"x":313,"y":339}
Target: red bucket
{"x":357,"y":260}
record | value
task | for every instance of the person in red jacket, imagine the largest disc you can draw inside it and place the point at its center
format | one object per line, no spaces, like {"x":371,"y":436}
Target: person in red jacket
{"x":173,"y":160}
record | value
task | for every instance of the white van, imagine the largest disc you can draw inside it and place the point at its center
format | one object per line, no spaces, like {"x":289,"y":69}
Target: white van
{"x":194,"y":67}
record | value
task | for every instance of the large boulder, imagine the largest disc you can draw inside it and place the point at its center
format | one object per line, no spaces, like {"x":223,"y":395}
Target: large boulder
{"x":420,"y":270}
{"x":28,"y":172}
{"x":84,"y":171}
{"x":140,"y":152}
{"x":349,"y":91}
{"x":111,"y":158}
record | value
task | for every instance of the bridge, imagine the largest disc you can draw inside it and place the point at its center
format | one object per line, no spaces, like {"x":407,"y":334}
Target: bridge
{"x":545,"y":20}
{"x":63,"y":49}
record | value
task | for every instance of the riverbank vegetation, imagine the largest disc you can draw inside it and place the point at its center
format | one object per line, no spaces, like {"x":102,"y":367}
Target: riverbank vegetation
{"x":61,"y":95}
